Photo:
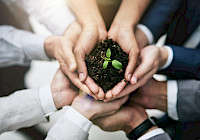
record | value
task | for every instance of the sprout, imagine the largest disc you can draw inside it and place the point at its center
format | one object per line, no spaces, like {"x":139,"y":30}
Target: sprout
{"x":115,"y":63}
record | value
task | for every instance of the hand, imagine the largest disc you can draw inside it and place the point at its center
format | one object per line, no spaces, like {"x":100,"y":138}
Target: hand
{"x":93,"y":30}
{"x":92,"y":109}
{"x":61,"y":48}
{"x":153,"y":95}
{"x":151,"y":58}
{"x":63,"y":91}
{"x":126,"y":119}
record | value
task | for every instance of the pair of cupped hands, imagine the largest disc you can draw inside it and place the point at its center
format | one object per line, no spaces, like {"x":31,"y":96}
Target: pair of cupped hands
{"x":78,"y":41}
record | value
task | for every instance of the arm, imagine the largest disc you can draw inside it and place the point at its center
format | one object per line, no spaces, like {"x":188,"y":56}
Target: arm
{"x":127,"y":119}
{"x":20,"y":109}
{"x":28,"y":107}
{"x":188,"y":100}
{"x":185,"y":63}
{"x":53,"y":13}
{"x":158,"y":15}
{"x":75,"y":124}
{"x":123,"y":33}
{"x":20,"y":47}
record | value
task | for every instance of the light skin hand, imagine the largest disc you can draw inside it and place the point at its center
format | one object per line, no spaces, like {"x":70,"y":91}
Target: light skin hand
{"x":93,"y":31}
{"x":92,"y":109}
{"x":146,"y":69}
{"x":126,"y":119}
{"x":63,"y":91}
{"x":61,"y":48}
{"x":123,"y":33}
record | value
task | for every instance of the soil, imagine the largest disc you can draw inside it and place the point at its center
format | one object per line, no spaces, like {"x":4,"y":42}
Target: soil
{"x":109,"y":77}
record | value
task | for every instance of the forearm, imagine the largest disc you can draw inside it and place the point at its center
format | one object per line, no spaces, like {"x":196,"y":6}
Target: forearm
{"x":130,"y":12}
{"x":86,"y":11}
{"x":21,"y":109}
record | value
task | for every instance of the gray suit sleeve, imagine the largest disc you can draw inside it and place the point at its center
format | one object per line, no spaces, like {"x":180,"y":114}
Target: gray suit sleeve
{"x":20,"y":109}
{"x":163,"y":136}
{"x":188,"y":101}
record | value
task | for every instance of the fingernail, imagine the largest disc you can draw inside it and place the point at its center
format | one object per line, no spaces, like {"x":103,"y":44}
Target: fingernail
{"x":71,"y":67}
{"x":81,"y":76}
{"x":134,"y":80}
{"x":129,"y":77}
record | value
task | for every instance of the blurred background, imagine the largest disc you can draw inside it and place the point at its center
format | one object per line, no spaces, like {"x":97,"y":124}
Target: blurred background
{"x":41,"y":73}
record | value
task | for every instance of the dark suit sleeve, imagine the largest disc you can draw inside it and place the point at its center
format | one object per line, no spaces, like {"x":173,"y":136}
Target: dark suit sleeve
{"x":159,"y":14}
{"x":185,"y":64}
{"x":188,"y":100}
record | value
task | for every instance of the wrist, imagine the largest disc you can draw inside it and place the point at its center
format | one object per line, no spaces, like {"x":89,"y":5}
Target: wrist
{"x":163,"y":56}
{"x":161,"y":99}
{"x":49,"y":46}
{"x":141,"y":38}
{"x":146,"y":126}
{"x":136,"y":121}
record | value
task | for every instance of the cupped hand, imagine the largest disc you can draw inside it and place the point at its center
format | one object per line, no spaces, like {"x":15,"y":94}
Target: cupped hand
{"x":63,"y":91}
{"x":61,"y":48}
{"x":88,"y":40}
{"x":124,"y":36}
{"x":151,"y":58}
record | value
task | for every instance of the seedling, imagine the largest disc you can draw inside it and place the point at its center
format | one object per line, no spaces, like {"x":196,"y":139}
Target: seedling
{"x":115,"y":63}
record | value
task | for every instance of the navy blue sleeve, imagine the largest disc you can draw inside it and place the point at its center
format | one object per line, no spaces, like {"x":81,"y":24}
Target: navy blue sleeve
{"x":185,"y":64}
{"x":159,"y":14}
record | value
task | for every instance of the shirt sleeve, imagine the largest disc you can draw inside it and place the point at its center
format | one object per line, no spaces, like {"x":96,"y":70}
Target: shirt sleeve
{"x":19,"y":47}
{"x":172,"y":93}
{"x":54,"y":14}
{"x":20,"y":109}
{"x":152,"y":133}
{"x":71,"y":126}
{"x":147,"y":32}
{"x":46,"y":100}
{"x":169,"y":59}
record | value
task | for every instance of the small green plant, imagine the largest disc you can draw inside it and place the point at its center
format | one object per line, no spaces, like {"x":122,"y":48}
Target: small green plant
{"x":115,"y":63}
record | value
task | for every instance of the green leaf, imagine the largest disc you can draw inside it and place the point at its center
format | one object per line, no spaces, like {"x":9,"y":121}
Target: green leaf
{"x":116,"y":64}
{"x":108,"y":53}
{"x":105,"y":64}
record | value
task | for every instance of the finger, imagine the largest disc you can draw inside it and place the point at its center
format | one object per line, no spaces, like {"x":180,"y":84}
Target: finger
{"x":75,"y":79}
{"x":108,"y":95}
{"x":143,"y":69}
{"x":84,"y":46}
{"x":81,"y":65}
{"x":118,"y":88}
{"x":133,"y":58}
{"x":101,"y":94}
{"x":130,"y":88}
{"x":92,"y":85}
{"x":68,"y":56}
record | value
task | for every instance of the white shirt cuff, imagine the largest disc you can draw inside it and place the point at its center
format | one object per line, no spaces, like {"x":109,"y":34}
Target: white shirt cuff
{"x":169,"y":59}
{"x":46,"y":100}
{"x":147,"y":32}
{"x":172,"y":92}
{"x":78,"y":119}
{"x":152,"y":133}
{"x":34,"y":47}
